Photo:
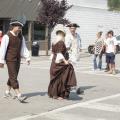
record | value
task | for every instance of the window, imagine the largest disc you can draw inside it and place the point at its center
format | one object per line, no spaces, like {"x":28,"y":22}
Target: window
{"x":39,"y":31}
{"x":25,"y":31}
{"x":1,"y":25}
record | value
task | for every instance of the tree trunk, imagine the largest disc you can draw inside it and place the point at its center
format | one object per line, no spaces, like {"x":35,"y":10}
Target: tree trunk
{"x":30,"y":34}
{"x":46,"y":39}
{"x":49,"y":37}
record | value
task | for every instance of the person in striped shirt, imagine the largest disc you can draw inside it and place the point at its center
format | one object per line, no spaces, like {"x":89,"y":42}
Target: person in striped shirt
{"x":98,"y":51}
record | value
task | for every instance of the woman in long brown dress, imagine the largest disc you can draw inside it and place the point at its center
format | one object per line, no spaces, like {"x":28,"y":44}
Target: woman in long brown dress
{"x":62,"y":75}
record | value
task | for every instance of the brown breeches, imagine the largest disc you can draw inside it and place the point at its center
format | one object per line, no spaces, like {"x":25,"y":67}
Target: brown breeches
{"x":13,"y":70}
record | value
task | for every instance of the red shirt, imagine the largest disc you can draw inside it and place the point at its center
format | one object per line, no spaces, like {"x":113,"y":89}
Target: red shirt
{"x":0,"y":39}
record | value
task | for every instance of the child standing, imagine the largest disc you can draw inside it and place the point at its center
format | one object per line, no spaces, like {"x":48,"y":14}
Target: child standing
{"x":99,"y":44}
{"x":110,"y":44}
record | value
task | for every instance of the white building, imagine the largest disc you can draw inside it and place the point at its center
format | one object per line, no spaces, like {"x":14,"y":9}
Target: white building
{"x":92,"y":16}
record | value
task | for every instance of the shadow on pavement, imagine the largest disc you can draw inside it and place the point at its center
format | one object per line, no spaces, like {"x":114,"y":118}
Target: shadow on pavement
{"x":117,"y":71}
{"x":29,"y":95}
{"x":86,"y":87}
{"x":74,"y":97}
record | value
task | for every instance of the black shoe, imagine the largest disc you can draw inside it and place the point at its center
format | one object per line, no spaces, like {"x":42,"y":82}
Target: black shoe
{"x":79,"y":91}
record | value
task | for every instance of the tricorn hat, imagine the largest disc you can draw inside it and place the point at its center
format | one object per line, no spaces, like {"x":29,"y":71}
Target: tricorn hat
{"x":73,"y":25}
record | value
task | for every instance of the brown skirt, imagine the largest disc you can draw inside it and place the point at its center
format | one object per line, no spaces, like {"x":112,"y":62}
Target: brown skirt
{"x":62,"y":79}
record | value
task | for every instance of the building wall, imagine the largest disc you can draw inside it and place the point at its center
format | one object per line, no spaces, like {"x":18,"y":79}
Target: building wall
{"x":102,"y":4}
{"x":92,"y":16}
{"x":92,"y":20}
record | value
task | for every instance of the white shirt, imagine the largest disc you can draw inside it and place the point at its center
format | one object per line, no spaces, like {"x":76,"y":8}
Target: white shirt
{"x":110,"y":45}
{"x":69,"y":39}
{"x":3,"y":49}
{"x":74,"y":43}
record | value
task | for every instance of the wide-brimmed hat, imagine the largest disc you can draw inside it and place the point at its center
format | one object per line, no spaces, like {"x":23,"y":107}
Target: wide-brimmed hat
{"x":73,"y":25}
{"x":60,"y":28}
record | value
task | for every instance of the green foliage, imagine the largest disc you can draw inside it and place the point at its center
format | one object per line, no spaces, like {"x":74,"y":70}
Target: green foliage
{"x":114,"y":5}
{"x":52,"y":12}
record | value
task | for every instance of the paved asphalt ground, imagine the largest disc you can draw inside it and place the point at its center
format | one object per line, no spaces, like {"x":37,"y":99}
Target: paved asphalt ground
{"x":101,"y":100}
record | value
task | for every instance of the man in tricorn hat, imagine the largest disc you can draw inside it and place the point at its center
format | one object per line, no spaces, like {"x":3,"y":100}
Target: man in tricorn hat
{"x":13,"y":47}
{"x":73,"y":43}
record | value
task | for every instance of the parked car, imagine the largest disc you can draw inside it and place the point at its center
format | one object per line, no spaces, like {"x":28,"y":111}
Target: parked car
{"x":118,"y":46}
{"x":91,"y":47}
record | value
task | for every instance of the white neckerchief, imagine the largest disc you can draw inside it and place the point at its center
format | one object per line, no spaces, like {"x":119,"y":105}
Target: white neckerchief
{"x":74,"y":41}
{"x":13,"y":33}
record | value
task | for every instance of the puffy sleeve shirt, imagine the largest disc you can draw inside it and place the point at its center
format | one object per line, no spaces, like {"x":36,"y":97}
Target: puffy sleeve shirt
{"x":3,"y":49}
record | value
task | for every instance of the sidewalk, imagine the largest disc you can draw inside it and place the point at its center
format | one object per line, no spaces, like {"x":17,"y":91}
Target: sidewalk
{"x":42,"y":55}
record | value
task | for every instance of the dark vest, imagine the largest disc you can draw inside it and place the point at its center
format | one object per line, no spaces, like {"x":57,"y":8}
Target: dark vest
{"x":14,"y":48}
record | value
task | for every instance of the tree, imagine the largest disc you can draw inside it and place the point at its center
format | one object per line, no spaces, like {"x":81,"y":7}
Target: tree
{"x":114,"y":5}
{"x":50,"y":13}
